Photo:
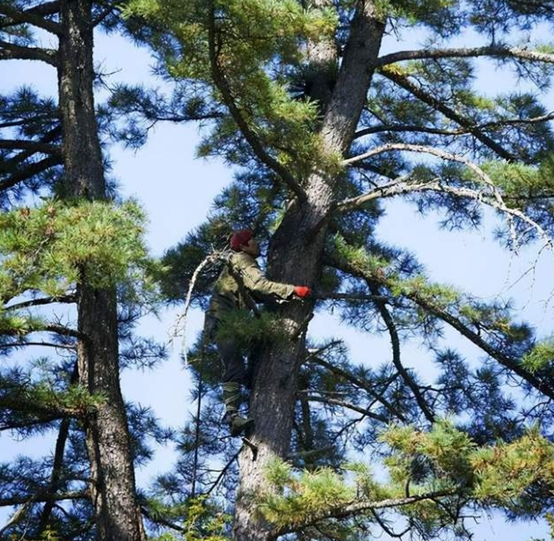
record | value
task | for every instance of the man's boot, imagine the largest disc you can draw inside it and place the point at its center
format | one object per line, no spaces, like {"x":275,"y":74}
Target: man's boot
{"x":232,"y":399}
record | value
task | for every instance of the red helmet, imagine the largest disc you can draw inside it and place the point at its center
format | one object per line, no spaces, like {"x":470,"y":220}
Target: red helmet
{"x":240,"y":237}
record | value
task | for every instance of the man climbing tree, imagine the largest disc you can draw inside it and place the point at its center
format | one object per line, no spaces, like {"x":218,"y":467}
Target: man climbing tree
{"x":240,"y":285}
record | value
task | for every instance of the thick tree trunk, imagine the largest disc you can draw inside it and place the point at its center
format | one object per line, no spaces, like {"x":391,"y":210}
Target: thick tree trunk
{"x":295,"y":257}
{"x":107,"y":435}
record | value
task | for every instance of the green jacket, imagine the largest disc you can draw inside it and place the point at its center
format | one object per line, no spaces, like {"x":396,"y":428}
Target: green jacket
{"x":229,"y":295}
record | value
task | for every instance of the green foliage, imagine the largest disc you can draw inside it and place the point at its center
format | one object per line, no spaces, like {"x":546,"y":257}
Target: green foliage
{"x":505,"y":471}
{"x":540,"y":357}
{"x":248,"y":330}
{"x":411,"y":10}
{"x":52,"y":247}
{"x":294,"y":497}
{"x":204,"y":520}
{"x":44,"y":397}
{"x":444,"y":458}
{"x":250,"y":37}
{"x":519,"y":181}
{"x":446,"y":451}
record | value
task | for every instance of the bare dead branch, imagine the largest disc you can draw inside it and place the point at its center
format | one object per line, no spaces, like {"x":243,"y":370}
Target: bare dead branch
{"x":180,"y":326}
{"x":498,"y":51}
{"x":493,"y":199}
{"x":335,"y":402}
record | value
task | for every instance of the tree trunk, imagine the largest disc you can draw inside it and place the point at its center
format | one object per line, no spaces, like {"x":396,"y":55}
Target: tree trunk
{"x":296,"y":257}
{"x":107,"y":436}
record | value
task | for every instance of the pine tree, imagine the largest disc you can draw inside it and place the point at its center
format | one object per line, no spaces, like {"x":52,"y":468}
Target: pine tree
{"x":79,"y":253}
{"x":324,"y":125}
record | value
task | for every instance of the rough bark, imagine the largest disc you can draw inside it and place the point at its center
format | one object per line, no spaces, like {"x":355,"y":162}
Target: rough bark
{"x":108,"y":443}
{"x":296,"y":257}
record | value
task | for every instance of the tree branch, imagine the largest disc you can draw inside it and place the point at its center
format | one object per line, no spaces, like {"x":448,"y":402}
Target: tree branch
{"x":41,"y":344}
{"x":10,"y":51}
{"x":501,"y":51}
{"x":440,"y":106}
{"x":347,"y":405}
{"x":359,"y":383}
{"x":34,"y":146}
{"x":29,"y":16}
{"x":41,"y":301}
{"x":395,"y":342}
{"x":354,"y":508}
{"x":494,"y":199}
{"x":495,"y":124}
{"x":441,"y":313}
{"x":349,"y":297}
{"x":61,"y":441}
{"x":42,"y":497}
{"x":30,"y":171}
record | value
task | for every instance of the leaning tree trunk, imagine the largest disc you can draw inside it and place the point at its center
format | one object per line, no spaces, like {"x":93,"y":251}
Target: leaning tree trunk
{"x":107,"y":437}
{"x":296,"y":258}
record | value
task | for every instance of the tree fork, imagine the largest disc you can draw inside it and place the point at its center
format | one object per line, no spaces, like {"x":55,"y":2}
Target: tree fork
{"x":107,"y":437}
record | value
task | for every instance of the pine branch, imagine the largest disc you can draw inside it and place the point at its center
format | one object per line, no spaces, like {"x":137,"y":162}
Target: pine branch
{"x":103,"y":16}
{"x":493,"y":199}
{"x":335,"y":402}
{"x":28,"y":16}
{"x":51,"y":327}
{"x":160,"y":520}
{"x":222,"y":473}
{"x":34,"y":146}
{"x":349,"y":297}
{"x":28,"y":423}
{"x":23,"y":121}
{"x":361,"y":384}
{"x":401,"y":128}
{"x":57,"y":466}
{"x":495,"y":124}
{"x":50,"y":136}
{"x":62,"y":330}
{"x":41,"y":302}
{"x":30,"y":171}
{"x":17,"y":517}
{"x":40,"y":344}
{"x":10,"y":51}
{"x":255,"y":143}
{"x":355,"y":508}
{"x":42,"y":497}
{"x":508,"y":362}
{"x":395,"y":342}
{"x":448,"y":112}
{"x":499,"y":51}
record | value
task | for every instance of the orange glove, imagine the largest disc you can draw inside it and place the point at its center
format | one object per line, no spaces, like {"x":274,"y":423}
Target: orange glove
{"x":302,"y":291}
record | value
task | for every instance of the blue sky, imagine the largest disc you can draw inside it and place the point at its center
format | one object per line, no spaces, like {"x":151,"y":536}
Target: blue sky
{"x":177,"y":190}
